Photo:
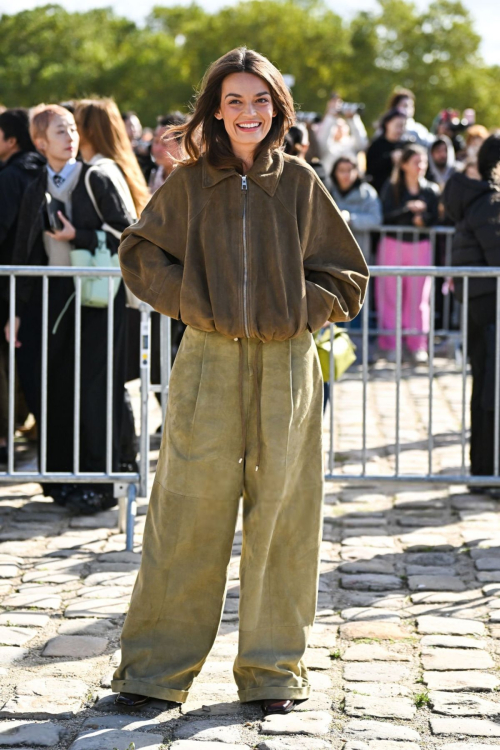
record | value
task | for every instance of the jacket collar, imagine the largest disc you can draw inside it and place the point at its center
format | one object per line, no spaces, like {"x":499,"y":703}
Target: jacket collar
{"x":265,"y":172}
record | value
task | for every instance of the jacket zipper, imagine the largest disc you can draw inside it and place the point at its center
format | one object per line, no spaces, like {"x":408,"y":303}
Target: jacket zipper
{"x":244,"y":188}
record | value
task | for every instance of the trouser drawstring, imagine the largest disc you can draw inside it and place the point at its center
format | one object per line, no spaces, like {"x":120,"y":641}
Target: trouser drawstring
{"x":257,"y":375}
{"x":242,"y":403}
{"x":258,"y":388}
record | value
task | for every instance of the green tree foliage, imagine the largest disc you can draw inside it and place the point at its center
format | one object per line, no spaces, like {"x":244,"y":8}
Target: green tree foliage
{"x":49,"y":54}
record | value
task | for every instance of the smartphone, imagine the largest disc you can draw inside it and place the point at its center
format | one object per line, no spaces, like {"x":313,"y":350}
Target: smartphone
{"x":52,"y":222}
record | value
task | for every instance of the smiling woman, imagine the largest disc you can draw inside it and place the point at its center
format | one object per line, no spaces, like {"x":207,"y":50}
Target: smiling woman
{"x":244,"y":108}
{"x":248,"y":115}
{"x":244,"y":244}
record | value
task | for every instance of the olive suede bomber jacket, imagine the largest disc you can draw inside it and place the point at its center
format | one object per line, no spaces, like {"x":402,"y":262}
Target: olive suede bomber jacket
{"x":264,"y":256}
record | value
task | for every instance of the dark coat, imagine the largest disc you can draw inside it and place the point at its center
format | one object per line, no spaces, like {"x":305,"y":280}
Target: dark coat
{"x":395,"y":211}
{"x":15,"y":176}
{"x":474,"y":207}
{"x":29,"y":248}
{"x":379,"y":162}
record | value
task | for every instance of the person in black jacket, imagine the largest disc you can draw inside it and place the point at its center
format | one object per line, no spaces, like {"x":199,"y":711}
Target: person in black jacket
{"x":386,"y":149}
{"x":297,"y":144}
{"x":474,"y":206}
{"x":20,"y":164}
{"x":55,"y":134}
{"x":409,"y":200}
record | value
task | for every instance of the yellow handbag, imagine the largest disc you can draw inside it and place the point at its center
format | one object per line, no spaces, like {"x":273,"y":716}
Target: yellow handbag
{"x":344,"y":351}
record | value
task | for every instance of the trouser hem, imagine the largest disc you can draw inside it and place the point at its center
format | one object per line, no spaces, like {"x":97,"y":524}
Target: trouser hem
{"x":141,"y":687}
{"x":280,"y":693}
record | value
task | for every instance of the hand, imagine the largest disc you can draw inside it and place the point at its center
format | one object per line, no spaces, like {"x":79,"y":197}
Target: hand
{"x":17,"y":323}
{"x":416,"y":206}
{"x":418,"y":220}
{"x":67,"y":233}
{"x":396,"y":155}
{"x":346,"y":216}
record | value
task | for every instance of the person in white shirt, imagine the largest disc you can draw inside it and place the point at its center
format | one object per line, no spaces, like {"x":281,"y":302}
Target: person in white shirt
{"x":340,"y":134}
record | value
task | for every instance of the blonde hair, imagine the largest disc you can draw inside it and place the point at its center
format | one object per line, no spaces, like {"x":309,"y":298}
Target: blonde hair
{"x":476,"y":131}
{"x":101,"y":124}
{"x":41,"y":116}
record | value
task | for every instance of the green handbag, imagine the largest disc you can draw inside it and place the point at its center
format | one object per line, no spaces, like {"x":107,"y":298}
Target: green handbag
{"x":344,"y":351}
{"x":95,"y":288}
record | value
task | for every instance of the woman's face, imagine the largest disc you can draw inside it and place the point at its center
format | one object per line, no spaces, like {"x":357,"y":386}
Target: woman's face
{"x":416,"y":166}
{"x":246,"y":109}
{"x":345,"y":174}
{"x":474,"y":144}
{"x":341,"y":130}
{"x":407,"y":105}
{"x":61,"y":139}
{"x":165,"y":152}
{"x":395,"y":128}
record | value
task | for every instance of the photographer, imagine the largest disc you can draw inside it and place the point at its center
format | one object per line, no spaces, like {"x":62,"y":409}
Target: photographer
{"x":341,"y":132}
{"x":448,"y":122}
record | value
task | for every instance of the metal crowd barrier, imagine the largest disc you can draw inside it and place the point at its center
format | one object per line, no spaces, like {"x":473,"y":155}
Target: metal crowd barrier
{"x":399,"y":272}
{"x":128,"y":485}
{"x":125,"y":484}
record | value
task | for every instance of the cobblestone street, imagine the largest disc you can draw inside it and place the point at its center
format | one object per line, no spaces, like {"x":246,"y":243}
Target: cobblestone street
{"x":406,"y":646}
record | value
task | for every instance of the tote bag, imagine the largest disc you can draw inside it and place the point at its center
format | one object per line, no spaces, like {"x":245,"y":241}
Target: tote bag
{"x":95,"y":288}
{"x":112,"y":170}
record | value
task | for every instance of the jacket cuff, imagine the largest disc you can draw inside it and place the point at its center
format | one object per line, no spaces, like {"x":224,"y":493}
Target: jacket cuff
{"x":319,"y":309}
{"x":168,"y":298}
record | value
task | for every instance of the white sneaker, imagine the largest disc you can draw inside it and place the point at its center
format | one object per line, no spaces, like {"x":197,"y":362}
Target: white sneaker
{"x":420,"y":357}
{"x":389,"y":355}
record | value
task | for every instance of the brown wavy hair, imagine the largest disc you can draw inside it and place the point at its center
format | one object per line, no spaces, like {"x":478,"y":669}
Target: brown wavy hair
{"x":398,"y":174}
{"x":101,"y":124}
{"x":205,"y":134}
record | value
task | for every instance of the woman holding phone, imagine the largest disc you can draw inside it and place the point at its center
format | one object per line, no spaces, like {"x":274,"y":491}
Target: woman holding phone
{"x":75,"y":209}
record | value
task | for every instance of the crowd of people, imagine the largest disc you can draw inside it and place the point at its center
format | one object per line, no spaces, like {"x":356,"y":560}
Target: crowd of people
{"x":74,"y":175}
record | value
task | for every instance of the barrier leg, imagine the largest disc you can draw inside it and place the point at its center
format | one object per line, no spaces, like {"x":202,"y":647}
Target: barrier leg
{"x":131,"y":513}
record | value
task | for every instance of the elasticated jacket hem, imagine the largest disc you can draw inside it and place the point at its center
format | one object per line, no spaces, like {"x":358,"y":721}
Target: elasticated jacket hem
{"x":141,"y":687}
{"x":280,"y":693}
{"x":267,"y":258}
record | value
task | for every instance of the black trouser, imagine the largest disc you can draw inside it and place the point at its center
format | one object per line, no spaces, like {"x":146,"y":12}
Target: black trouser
{"x":60,"y":377}
{"x":481,"y":347}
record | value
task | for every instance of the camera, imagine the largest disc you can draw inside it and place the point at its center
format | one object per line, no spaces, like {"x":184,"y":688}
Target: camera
{"x":452,"y":120}
{"x":351,"y":108}
{"x":308,"y":117}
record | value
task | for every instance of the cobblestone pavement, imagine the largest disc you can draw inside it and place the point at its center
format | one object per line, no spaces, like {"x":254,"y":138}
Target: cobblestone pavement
{"x":403,"y":655}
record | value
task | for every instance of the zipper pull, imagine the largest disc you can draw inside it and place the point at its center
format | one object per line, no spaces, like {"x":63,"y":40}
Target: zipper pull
{"x":244,"y":182}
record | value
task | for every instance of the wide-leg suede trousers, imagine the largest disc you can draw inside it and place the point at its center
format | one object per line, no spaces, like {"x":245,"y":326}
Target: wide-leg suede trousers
{"x":227,"y":397}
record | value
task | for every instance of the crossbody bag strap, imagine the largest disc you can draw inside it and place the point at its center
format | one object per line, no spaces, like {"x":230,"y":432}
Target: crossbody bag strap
{"x":106,"y":227}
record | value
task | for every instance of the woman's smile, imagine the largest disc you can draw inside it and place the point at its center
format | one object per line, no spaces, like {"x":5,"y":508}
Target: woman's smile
{"x":250,"y":127}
